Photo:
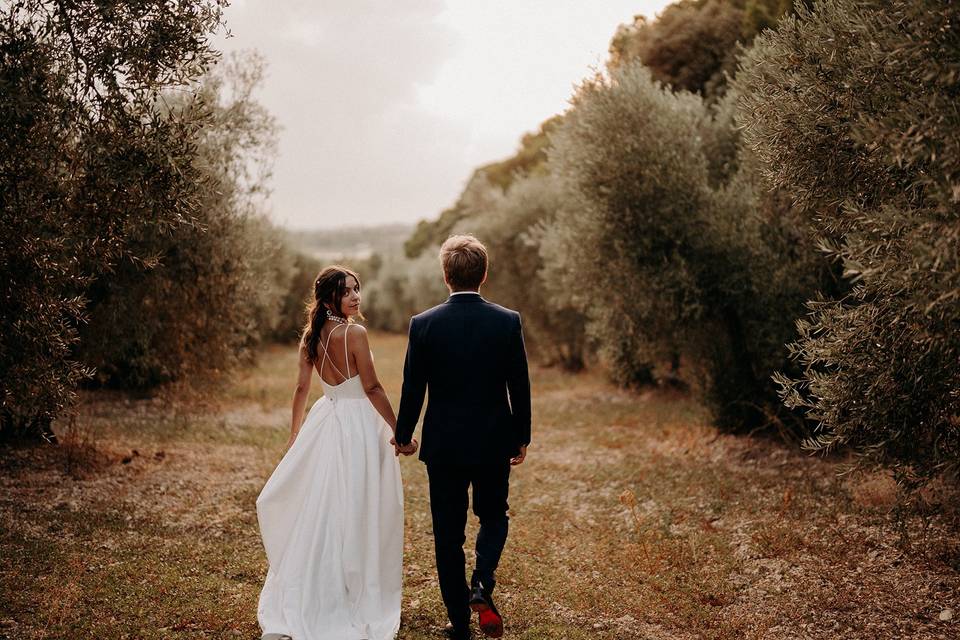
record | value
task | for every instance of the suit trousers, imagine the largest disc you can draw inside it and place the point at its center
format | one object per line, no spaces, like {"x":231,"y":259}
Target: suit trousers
{"x":448,"y":507}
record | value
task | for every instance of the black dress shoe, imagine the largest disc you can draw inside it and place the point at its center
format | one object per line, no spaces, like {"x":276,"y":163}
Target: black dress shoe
{"x":455,"y":633}
{"x":478,"y":596}
{"x":481,"y":601}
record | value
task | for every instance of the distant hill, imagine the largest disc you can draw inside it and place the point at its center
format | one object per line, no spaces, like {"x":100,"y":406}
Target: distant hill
{"x":357,"y":242}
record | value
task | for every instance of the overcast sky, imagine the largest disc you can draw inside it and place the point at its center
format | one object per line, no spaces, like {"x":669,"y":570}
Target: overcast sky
{"x":386,"y":107}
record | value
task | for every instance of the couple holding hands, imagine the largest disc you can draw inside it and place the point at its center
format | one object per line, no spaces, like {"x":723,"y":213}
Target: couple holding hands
{"x":331,"y":514}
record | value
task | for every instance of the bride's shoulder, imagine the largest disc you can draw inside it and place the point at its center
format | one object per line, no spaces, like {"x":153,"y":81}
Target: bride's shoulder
{"x":357,"y":338}
{"x":356,"y":332}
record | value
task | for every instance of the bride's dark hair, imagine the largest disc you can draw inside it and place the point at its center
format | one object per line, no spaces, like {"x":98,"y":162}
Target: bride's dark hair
{"x":328,"y":290}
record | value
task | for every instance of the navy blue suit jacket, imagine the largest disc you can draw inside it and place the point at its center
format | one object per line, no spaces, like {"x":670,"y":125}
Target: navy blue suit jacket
{"x":468,"y":355}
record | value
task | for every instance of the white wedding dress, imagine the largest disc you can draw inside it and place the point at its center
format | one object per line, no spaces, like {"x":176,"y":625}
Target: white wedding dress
{"x":331,"y":519}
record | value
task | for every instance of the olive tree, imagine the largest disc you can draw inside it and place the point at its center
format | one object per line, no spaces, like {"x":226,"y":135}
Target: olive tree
{"x":679,"y":260}
{"x":851,"y":107}
{"x":85,"y":153}
{"x":213,"y":288}
{"x":512,"y":227}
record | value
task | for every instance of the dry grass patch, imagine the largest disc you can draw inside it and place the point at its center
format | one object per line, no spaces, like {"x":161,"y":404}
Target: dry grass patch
{"x":632,"y":518}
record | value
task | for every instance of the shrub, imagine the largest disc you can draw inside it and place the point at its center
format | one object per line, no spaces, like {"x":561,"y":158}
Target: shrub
{"x":668,"y":247}
{"x":84,"y":154}
{"x":693,"y":44}
{"x":851,"y":108}
{"x":635,"y":190}
{"x":298,"y":293}
{"x":512,"y":227}
{"x":212,"y":288}
{"x":396,"y":288}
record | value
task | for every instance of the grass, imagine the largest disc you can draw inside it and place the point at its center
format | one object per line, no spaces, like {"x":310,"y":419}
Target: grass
{"x":632,"y":518}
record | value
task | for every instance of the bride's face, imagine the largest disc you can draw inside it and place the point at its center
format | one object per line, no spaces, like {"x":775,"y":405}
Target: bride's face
{"x":350,"y":303}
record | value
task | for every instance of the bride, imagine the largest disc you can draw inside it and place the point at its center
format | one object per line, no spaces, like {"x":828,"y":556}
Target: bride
{"x":331,"y":514}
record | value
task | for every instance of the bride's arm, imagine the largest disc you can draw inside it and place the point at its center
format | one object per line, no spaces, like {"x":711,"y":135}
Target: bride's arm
{"x":304,"y":376}
{"x":360,"y":349}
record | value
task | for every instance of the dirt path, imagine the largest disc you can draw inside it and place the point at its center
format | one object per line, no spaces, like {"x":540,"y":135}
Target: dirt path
{"x":632,"y":518}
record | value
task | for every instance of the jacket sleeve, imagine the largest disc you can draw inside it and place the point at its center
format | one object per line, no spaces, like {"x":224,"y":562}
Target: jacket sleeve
{"x":518,"y":385}
{"x":413,"y":390}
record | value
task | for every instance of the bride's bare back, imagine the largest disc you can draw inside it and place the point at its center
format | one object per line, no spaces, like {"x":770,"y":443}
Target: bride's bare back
{"x":336,"y":357}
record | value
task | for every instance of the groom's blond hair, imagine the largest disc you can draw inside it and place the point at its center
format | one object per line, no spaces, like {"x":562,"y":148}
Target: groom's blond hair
{"x":464,"y":260}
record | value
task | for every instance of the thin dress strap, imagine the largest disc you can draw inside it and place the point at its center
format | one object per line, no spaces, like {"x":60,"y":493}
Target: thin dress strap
{"x":332,"y":364}
{"x":346,"y":353}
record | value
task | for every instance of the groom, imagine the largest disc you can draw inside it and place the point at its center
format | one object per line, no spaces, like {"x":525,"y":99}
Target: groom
{"x":469,"y":353}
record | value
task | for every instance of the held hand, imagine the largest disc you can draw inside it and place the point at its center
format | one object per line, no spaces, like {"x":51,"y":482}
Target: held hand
{"x":520,"y":457}
{"x":407,"y":450}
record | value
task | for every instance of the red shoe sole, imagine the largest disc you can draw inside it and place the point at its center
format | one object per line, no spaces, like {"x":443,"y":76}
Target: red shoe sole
{"x":490,"y":623}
